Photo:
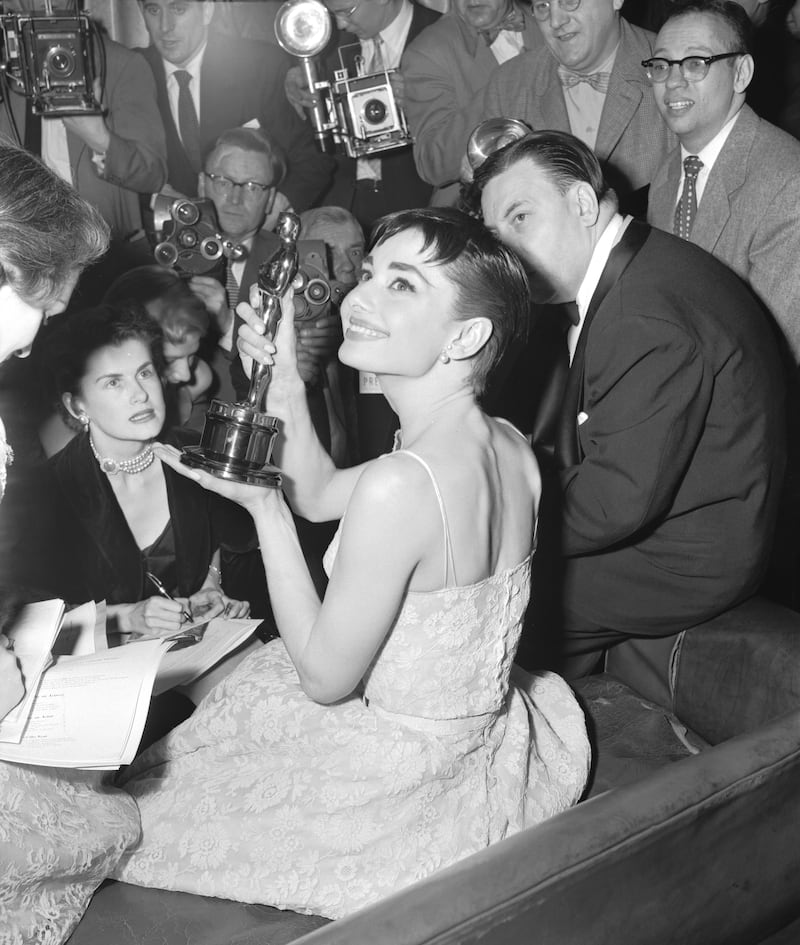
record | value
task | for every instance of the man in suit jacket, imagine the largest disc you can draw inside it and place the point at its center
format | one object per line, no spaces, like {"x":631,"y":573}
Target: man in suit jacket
{"x":370,"y":188}
{"x":748,"y":188}
{"x":238,"y":82}
{"x":670,"y":440}
{"x":555,"y":88}
{"x":444,"y":70}
{"x":111,"y":158}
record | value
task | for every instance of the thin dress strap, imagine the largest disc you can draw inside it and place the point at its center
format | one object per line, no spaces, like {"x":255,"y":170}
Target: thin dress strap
{"x":449,"y":563}
{"x":510,"y":425}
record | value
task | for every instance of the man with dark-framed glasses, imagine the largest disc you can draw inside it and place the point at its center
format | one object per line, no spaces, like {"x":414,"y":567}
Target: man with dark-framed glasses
{"x":732,"y":185}
{"x":588,"y":81}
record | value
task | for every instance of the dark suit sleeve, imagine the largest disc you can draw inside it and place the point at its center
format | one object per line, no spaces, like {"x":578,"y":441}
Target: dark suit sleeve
{"x":309,"y":170}
{"x":647,"y":391}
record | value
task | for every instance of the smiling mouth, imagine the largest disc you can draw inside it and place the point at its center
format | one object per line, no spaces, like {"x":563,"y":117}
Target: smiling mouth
{"x":359,"y":329}
{"x":142,"y":416}
{"x":680,"y":105}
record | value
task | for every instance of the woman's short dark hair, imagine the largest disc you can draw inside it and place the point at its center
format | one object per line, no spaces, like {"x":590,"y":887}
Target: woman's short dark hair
{"x":489,"y":279}
{"x":70,"y":341}
{"x":733,"y":14}
{"x":564,"y":158}
{"x":47,"y":231}
{"x":166,"y":297}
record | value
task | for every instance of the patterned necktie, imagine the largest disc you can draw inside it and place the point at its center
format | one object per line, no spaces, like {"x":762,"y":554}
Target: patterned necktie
{"x":686,"y":210}
{"x":231,"y":286}
{"x":187,"y":120}
{"x":598,"y":80}
{"x":513,"y":21}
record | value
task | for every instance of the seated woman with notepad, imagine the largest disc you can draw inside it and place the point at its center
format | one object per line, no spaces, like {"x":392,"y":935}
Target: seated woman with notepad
{"x":133,"y":533}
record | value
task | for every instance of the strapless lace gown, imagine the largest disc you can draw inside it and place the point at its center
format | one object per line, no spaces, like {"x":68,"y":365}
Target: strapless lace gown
{"x":265,"y":796}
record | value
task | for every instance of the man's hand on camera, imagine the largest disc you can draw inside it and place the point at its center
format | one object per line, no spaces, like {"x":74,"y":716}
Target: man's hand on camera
{"x":212,"y":294}
{"x":297,"y":91}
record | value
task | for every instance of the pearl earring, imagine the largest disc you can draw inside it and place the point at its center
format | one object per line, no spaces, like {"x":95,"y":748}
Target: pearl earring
{"x":83,"y":420}
{"x":444,"y":357}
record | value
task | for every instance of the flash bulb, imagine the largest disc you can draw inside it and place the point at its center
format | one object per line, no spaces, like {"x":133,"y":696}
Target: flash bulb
{"x":303,"y":27}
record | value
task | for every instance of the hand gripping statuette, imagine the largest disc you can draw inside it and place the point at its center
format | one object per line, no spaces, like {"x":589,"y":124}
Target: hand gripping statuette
{"x":238,"y":438}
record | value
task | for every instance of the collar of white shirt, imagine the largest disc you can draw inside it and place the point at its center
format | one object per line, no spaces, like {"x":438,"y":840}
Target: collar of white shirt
{"x":609,"y":238}
{"x":708,"y":155}
{"x":394,"y":38}
{"x":173,"y":89}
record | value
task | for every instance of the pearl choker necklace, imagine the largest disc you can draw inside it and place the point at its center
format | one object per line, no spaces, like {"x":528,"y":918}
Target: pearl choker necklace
{"x":136,"y":464}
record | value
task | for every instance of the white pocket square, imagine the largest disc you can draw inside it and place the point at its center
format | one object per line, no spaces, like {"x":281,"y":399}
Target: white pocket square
{"x":582,"y":418}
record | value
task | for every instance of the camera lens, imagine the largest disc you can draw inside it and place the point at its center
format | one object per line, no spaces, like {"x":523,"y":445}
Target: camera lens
{"x":166,"y":254}
{"x":211,"y":248}
{"x":60,"y":61}
{"x":185,"y":212}
{"x":317,"y":292}
{"x":187,"y":238}
{"x":374,"y":111}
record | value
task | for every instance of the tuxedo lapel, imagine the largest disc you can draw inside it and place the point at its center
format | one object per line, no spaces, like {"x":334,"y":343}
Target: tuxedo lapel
{"x":568,"y":448}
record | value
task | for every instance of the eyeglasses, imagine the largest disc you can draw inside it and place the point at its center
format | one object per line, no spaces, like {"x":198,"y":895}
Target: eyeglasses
{"x":693,"y":68}
{"x":541,"y":8}
{"x":346,"y":14}
{"x":224,"y":186}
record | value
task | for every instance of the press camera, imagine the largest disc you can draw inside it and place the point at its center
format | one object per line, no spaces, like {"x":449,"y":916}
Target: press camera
{"x":189,"y":241}
{"x":51,"y":61}
{"x":358,"y":114}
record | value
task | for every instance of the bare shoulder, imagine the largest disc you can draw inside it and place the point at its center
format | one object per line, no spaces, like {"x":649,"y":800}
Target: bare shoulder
{"x":391,"y":483}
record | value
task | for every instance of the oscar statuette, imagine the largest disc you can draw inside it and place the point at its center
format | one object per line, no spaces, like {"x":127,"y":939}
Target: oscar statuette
{"x":238,"y":438}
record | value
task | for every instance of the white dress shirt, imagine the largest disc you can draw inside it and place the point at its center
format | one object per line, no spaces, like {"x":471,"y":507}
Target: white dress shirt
{"x":173,"y":89}
{"x":708,"y":155}
{"x":611,"y":235}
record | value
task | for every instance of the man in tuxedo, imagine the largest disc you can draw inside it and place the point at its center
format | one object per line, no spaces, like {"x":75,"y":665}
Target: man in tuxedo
{"x":373,"y":34}
{"x":444,"y":71}
{"x":670,"y":434}
{"x":742,"y":204}
{"x":207,"y":82}
{"x":588,"y":81}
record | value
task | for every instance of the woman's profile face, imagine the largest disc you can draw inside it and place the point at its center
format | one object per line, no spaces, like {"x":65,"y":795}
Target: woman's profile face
{"x":21,"y":319}
{"x":121,"y":393}
{"x":400,"y":316}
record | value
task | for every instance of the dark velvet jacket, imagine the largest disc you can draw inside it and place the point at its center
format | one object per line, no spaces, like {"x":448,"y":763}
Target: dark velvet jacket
{"x":99,"y":556}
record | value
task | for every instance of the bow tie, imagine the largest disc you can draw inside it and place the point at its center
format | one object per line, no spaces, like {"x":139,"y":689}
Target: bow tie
{"x":598,"y":80}
{"x":513,"y":21}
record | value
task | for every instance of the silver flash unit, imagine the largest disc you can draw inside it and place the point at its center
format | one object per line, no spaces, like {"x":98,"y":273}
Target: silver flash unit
{"x":357,"y":114}
{"x":51,"y":61}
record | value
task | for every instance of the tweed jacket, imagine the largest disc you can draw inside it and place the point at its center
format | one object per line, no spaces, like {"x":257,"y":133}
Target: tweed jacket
{"x":674,"y":407}
{"x":136,"y":159}
{"x":749,"y":214}
{"x":241,"y":81}
{"x":632,"y":139}
{"x":445,"y":69}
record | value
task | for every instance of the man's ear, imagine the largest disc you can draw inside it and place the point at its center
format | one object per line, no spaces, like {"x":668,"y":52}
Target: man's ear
{"x":743,"y":73}
{"x":585,"y":203}
{"x":473,"y":335}
{"x":201,"y":185}
{"x":208,"y":11}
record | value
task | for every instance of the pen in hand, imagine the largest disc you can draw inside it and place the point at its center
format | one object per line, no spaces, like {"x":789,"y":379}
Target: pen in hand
{"x":185,"y":614}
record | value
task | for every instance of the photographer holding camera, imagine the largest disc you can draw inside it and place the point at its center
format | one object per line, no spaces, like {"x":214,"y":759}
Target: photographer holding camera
{"x":240,"y":177}
{"x":110,"y":158}
{"x":376,"y":31}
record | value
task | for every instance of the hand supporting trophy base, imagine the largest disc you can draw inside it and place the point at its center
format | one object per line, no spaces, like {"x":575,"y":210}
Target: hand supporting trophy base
{"x":238,"y":439}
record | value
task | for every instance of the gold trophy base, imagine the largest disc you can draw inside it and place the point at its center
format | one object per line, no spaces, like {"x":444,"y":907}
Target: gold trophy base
{"x":236,"y":444}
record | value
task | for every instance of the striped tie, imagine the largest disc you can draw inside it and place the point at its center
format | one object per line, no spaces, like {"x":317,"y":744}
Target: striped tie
{"x":231,"y":285}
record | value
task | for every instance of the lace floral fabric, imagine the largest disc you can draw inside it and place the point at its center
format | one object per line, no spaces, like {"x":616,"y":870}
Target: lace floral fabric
{"x":61,"y":833}
{"x":265,"y":796}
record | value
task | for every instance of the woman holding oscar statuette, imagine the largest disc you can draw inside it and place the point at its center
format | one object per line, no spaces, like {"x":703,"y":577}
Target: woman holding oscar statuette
{"x":385,"y":735}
